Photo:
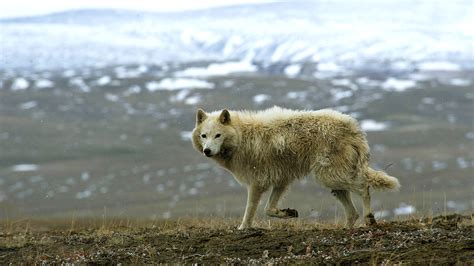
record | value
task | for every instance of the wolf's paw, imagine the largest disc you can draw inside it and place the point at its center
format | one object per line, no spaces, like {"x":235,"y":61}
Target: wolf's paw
{"x":291,"y":213}
{"x":286,"y":213}
{"x":351,"y":219}
{"x":243,"y":227}
{"x":370,"y":219}
{"x":282,"y":213}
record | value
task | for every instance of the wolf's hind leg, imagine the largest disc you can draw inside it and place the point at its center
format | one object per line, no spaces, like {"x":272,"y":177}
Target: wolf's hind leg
{"x":344,"y":197}
{"x":368,"y":216}
{"x":253,"y":199}
{"x":272,"y":203}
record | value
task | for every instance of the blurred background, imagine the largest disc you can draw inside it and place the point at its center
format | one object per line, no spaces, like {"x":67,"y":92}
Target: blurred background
{"x":97,"y":100}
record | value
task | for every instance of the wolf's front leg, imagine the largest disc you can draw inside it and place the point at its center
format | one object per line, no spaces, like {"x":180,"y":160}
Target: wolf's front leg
{"x":253,"y":198}
{"x":272,"y":203}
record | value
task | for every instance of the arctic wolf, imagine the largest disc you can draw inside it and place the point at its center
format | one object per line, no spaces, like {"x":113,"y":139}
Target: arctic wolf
{"x":272,"y":148}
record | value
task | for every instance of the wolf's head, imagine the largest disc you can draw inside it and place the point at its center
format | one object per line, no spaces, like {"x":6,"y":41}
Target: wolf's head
{"x":214,"y":133}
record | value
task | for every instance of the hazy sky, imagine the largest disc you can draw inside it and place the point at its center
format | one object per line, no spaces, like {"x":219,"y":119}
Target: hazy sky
{"x":16,"y":8}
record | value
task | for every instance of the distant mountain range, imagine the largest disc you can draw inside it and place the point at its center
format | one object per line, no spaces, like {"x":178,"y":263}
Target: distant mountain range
{"x":385,"y":35}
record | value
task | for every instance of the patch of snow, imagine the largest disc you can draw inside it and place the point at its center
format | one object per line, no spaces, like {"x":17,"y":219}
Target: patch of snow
{"x":20,"y":84}
{"x":314,"y":214}
{"x":438,"y":66}
{"x":44,"y":83}
{"x":199,"y":184}
{"x":372,"y":125}
{"x":111,"y":97}
{"x":181,"y":96}
{"x":368,"y":82}
{"x":342,"y":82}
{"x":297,"y":95}
{"x":458,"y":206}
{"x":260,"y":98}
{"x":218,"y":69}
{"x":439,"y":165}
{"x":79,"y":82}
{"x":142,"y":69}
{"x":231,"y":44}
{"x":28,"y":105}
{"x":462,"y":162}
{"x":160,"y":188}
{"x":228,"y":83}
{"x":193,"y":191}
{"x":203,"y":38}
{"x":70,"y":181}
{"x":398,"y":84}
{"x":404,"y":209}
{"x":419,"y":77}
{"x":428,"y":100}
{"x":83,"y":194}
{"x":402,"y":66}
{"x":36,"y":178}
{"x":146,"y":178}
{"x":85,"y":176}
{"x":124,"y":73}
{"x":380,"y":148}
{"x":381,"y":214}
{"x":166,"y":215}
{"x":186,"y":135}
{"x":104,"y":81}
{"x":342,"y":108}
{"x":338,"y":95}
{"x":193,"y":100}
{"x":132,"y":90}
{"x":24,"y":168}
{"x":68,"y":73}
{"x":152,"y":86}
{"x":292,"y":70}
{"x":470,"y":135}
{"x":460,"y":82}
{"x":178,"y":83}
{"x":329,"y":67}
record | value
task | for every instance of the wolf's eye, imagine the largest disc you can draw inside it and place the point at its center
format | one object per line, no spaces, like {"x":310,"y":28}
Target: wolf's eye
{"x":218,"y":135}
{"x":203,"y":136}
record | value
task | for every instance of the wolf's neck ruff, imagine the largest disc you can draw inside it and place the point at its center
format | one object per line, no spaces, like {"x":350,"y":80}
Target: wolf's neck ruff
{"x":226,"y":154}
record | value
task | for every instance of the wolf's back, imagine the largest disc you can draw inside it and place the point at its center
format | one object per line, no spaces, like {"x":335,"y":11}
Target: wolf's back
{"x":381,"y":181}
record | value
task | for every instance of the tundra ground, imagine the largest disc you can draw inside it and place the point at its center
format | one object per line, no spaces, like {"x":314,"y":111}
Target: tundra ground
{"x":439,"y":240}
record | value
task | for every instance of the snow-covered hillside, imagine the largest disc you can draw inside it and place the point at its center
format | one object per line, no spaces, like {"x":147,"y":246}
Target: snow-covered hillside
{"x":339,"y":35}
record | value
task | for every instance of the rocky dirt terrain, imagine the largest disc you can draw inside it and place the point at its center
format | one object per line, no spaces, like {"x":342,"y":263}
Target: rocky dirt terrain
{"x":439,"y":240}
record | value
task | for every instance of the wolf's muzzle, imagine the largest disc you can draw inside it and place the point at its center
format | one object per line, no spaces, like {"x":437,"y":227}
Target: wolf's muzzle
{"x":207,"y":152}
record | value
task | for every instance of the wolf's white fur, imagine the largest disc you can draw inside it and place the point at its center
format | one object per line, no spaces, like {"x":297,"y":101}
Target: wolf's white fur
{"x":273,"y":147}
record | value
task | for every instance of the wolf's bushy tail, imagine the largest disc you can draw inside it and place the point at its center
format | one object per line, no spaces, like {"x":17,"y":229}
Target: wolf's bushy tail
{"x":379,"y":180}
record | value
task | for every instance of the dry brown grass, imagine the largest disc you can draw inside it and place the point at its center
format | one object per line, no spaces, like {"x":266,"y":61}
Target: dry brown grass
{"x":442,"y":239}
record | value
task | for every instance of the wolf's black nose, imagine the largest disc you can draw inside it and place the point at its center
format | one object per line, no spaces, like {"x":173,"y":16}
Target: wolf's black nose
{"x":207,"y":152}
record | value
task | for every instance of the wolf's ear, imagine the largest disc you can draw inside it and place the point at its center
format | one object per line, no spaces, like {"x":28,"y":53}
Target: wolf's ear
{"x":200,"y":116}
{"x":225,"y":117}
